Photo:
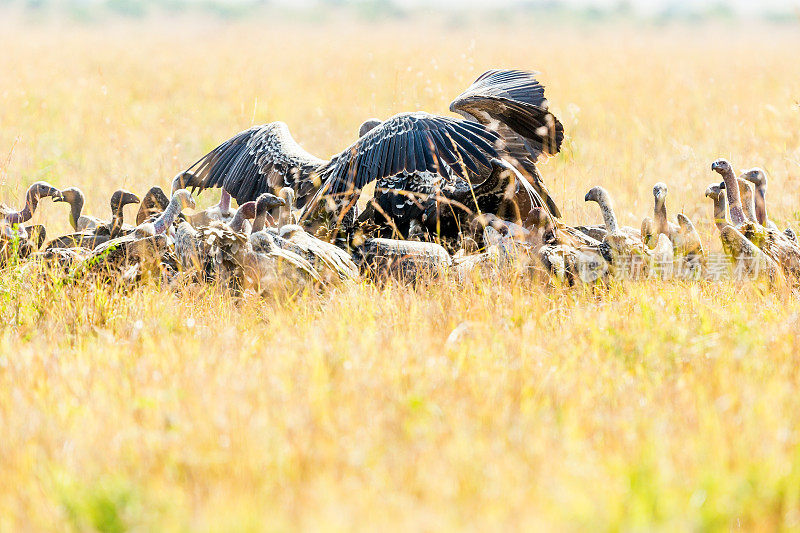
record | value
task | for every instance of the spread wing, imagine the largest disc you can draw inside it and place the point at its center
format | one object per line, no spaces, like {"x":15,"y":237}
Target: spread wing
{"x":413,"y":143}
{"x":261,"y":159}
{"x":515,"y":99}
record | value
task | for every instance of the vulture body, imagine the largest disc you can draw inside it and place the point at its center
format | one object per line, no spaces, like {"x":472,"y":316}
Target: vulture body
{"x":406,"y":260}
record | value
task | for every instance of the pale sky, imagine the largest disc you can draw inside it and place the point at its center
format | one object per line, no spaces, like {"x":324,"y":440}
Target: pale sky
{"x":643,"y":6}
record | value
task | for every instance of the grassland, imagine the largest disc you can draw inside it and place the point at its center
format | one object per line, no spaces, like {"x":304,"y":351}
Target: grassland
{"x":449,"y":405}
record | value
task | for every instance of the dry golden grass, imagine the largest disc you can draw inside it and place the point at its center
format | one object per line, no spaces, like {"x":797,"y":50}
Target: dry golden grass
{"x":474,"y":406}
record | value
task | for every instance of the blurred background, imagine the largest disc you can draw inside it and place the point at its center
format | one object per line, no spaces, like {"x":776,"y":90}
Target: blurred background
{"x":454,"y":11}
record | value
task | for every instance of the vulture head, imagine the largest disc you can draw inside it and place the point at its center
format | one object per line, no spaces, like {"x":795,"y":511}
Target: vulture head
{"x":287,"y":194}
{"x":368,"y":126}
{"x":715,"y":191}
{"x":270,"y":201}
{"x":721,"y":167}
{"x":74,"y":197}
{"x":184,"y":199}
{"x":756,"y":176}
{"x":263,"y":205}
{"x":121,"y":198}
{"x":596,"y":194}
{"x":71,"y":195}
{"x":183,"y":180}
{"x":41,"y":189}
{"x":660,"y":192}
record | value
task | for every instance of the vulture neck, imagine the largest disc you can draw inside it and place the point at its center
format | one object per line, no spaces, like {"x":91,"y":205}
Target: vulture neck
{"x":720,"y":214}
{"x":734,"y":200}
{"x":609,"y":218}
{"x":660,"y":215}
{"x":116,"y":220}
{"x":31,"y":201}
{"x":168,"y":216}
{"x":761,"y":205}
{"x":225,"y":202}
{"x":75,"y":210}
{"x":237,"y":224}
{"x":747,"y":199}
{"x":285,"y":215}
{"x":260,"y":222}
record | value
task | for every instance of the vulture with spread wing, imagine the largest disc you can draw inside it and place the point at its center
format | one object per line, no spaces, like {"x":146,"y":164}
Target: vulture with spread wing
{"x":428,"y":169}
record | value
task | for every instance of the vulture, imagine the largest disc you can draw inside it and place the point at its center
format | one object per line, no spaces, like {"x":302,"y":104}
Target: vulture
{"x":747,"y":258}
{"x":659,"y":224}
{"x":593,"y":231}
{"x":267,"y":265}
{"x":622,"y":245}
{"x":717,"y":195}
{"x":690,"y":247}
{"x":269,"y":202}
{"x":24,"y":239}
{"x":758,"y":178}
{"x":683,"y":236}
{"x":505,"y":227}
{"x":41,"y":189}
{"x":227,"y":254}
{"x":731,"y":186}
{"x":287,"y":214}
{"x":567,"y":263}
{"x":215,"y":251}
{"x":603,"y":199}
{"x":269,"y":255}
{"x":422,"y":164}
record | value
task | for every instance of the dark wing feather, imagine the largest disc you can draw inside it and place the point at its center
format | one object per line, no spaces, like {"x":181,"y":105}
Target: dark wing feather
{"x":412,"y":143}
{"x":471,"y":143}
{"x":246,"y":164}
{"x":516,"y":99}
